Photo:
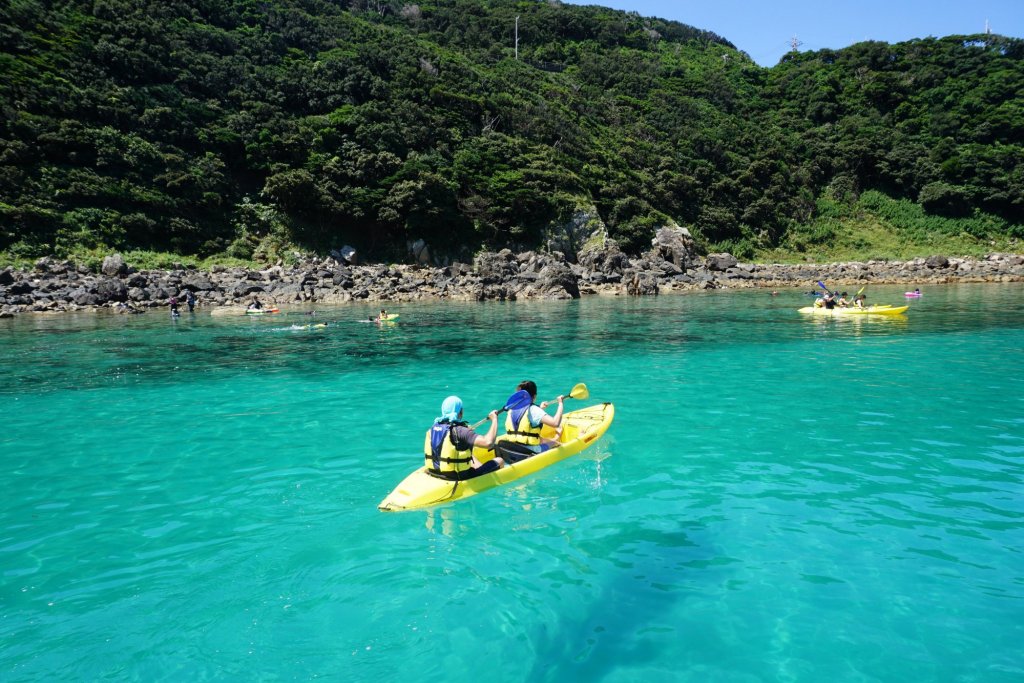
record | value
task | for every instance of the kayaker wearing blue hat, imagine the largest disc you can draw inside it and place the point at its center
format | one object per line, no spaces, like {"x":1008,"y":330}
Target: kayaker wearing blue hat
{"x":448,"y":448}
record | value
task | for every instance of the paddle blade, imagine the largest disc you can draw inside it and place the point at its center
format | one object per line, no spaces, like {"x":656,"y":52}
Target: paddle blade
{"x":520,"y":399}
{"x":579,"y":391}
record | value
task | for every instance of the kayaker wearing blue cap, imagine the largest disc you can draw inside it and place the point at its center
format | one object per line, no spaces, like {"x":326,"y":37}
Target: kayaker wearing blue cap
{"x":448,"y":448}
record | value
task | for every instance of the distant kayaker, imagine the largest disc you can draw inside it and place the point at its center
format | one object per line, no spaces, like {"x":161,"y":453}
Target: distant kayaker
{"x":448,"y":448}
{"x":383,"y":315}
{"x":858,"y":301}
{"x":843,"y":302}
{"x":524,"y":423}
{"x":255,"y":305}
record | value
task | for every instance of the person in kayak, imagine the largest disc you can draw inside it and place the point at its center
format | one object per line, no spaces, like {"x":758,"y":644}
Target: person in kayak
{"x":255,"y":305}
{"x":448,"y":448}
{"x":858,"y":301}
{"x":525,"y":422}
{"x":843,"y":301}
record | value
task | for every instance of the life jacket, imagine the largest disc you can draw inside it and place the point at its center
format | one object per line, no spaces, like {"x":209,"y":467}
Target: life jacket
{"x":519,"y":429}
{"x":441,"y":452}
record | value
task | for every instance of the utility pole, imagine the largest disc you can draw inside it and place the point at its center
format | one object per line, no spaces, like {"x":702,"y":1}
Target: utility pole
{"x":517,"y":38}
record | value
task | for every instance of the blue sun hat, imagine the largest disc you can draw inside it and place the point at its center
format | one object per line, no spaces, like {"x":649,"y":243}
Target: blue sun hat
{"x":450,"y":409}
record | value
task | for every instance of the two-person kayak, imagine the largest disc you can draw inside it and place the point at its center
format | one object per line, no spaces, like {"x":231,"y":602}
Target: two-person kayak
{"x":580,"y":430}
{"x":883,"y":309}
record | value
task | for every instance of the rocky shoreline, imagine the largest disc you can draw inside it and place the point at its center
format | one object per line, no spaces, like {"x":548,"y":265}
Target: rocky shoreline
{"x":671,"y":265}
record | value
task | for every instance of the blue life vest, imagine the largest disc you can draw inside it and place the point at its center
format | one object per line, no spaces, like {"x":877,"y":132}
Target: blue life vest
{"x":441,"y":453}
{"x":519,"y":428}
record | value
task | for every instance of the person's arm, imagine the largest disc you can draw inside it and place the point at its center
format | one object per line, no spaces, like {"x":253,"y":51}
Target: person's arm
{"x":557,"y":419}
{"x":487,"y":440}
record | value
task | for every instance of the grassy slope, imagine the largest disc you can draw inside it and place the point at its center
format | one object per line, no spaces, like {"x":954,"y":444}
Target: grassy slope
{"x":878,"y":227}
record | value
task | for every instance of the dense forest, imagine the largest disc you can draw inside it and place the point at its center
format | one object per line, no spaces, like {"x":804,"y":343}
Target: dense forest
{"x":241,"y":127}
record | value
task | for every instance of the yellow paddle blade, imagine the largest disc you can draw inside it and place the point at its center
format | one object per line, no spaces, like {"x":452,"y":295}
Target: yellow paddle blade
{"x":580,"y":391}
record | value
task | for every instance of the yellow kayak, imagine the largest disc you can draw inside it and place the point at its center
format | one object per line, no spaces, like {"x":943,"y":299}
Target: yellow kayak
{"x":885,"y":309}
{"x":580,"y":429}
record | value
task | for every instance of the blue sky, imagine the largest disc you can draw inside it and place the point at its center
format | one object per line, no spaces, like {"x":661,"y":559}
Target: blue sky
{"x":764,"y":29}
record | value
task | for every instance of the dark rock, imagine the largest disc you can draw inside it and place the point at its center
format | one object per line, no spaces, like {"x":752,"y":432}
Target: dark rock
{"x":111,"y":289}
{"x":557,"y":281}
{"x":639,"y":283}
{"x":137,"y":280}
{"x":721,"y":262}
{"x":82,"y":297}
{"x":495,"y":267}
{"x":246,"y":288}
{"x":197,"y":282}
{"x":934,"y":262}
{"x":674,"y":245}
{"x":607,"y":259}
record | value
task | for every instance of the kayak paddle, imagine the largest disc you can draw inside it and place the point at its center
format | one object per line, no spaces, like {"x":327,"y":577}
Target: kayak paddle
{"x":519,"y":399}
{"x":578,"y":391}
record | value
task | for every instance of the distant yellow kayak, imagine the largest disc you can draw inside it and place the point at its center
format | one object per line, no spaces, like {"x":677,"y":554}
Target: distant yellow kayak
{"x":580,"y":430}
{"x":883,"y":309}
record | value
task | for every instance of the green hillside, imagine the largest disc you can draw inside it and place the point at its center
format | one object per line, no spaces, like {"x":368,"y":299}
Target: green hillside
{"x":237,"y":128}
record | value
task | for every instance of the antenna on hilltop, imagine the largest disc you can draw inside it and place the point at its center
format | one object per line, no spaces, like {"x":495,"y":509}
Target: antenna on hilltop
{"x":794,"y":43}
{"x":517,"y":38}
{"x":988,"y":29}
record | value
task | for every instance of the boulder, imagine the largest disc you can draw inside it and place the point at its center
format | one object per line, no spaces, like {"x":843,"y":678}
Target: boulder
{"x":934,"y":262}
{"x":246,"y":288}
{"x":557,"y":281}
{"x":606,"y":258}
{"x":721,"y":261}
{"x":674,"y":245}
{"x":496,"y":267}
{"x":638,"y":283}
{"x":346,"y":254}
{"x":114,"y":265}
{"x":111,"y":289}
{"x":420,"y":252}
{"x":197,"y":282}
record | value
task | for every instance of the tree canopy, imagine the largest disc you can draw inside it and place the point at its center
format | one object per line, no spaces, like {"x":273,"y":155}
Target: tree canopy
{"x":209,"y":126}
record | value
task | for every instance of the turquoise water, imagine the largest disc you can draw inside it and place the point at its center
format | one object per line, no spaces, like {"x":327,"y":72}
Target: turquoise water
{"x":779,"y":498}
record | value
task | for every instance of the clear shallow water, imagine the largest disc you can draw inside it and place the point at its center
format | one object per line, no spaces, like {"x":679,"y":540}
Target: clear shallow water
{"x":779,"y":498}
